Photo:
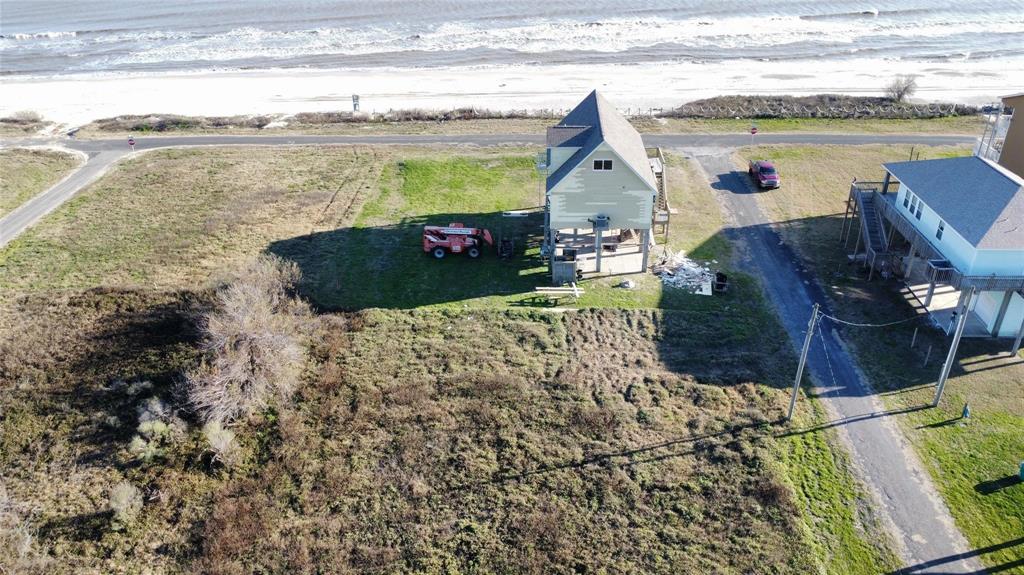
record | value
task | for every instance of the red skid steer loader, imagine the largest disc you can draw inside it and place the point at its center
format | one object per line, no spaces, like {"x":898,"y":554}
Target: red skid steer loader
{"x":455,"y":238}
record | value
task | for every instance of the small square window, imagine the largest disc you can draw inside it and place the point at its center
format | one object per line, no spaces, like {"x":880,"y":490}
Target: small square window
{"x":918,"y":214}
{"x":906,"y":200}
{"x":941,"y":228}
{"x":602,"y":164}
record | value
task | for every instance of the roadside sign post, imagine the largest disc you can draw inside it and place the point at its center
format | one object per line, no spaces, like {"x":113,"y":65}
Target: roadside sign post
{"x":355,"y":102}
{"x":753,"y":131}
{"x":803,"y":361}
{"x":131,"y":143}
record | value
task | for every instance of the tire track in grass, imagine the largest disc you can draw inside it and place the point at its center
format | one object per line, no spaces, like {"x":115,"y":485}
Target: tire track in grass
{"x":321,"y":260}
{"x":341,"y":185}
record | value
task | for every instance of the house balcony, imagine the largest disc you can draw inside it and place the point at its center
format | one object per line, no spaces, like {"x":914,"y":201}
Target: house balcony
{"x":895,"y":246}
{"x":939,"y":268}
{"x":940,"y":303}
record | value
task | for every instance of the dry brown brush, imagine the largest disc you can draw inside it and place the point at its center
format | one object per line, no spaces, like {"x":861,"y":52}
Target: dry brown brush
{"x":18,"y":552}
{"x":254,"y":342}
{"x":175,"y":122}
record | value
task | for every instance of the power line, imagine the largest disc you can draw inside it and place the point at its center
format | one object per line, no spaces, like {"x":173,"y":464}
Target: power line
{"x":855,"y":324}
{"x":828,"y":360}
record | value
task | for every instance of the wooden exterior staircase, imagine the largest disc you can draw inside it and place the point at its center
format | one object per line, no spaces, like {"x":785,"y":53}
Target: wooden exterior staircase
{"x":864,"y":203}
{"x":662,"y":211}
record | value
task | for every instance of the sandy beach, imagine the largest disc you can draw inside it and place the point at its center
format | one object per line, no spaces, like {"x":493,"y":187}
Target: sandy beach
{"x":77,"y":99}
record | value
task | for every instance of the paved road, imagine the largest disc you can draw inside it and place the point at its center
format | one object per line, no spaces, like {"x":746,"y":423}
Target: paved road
{"x":912,"y":508}
{"x":14,"y":223}
{"x":104,"y":153}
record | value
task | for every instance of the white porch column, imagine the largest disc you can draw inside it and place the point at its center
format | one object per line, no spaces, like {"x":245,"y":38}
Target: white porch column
{"x":953,"y":347}
{"x":998,"y":324}
{"x":647,"y":248}
{"x":931,"y":292}
{"x":1020,"y":336}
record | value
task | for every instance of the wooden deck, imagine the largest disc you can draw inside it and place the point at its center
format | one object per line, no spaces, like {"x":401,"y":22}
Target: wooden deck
{"x":944,"y":301}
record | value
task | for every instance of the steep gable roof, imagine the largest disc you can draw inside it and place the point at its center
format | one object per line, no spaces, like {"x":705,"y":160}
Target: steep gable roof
{"x":591,"y":122}
{"x":567,"y":136}
{"x":981,"y":200}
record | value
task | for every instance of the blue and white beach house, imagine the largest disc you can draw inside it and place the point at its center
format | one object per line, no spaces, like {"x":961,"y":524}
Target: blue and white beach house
{"x":953,"y":228}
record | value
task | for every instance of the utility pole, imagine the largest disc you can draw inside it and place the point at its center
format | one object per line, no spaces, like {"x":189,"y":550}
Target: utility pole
{"x":951,"y":356}
{"x":803,"y":361}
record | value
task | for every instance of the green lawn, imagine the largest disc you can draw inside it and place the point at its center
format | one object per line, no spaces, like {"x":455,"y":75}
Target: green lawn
{"x":838,"y":515}
{"x":967,"y":459}
{"x":29,"y":172}
{"x":379,"y":260}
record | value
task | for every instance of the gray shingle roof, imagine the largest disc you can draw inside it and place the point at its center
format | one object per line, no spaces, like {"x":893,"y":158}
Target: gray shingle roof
{"x":567,"y":136}
{"x":600,"y":122}
{"x":981,"y":201}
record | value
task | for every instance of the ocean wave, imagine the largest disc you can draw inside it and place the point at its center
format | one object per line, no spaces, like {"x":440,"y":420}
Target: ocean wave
{"x":39,"y":35}
{"x":839,"y":31}
{"x":544,"y":36}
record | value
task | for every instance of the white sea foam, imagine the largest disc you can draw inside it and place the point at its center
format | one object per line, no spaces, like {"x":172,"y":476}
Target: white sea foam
{"x":545,"y":36}
{"x":39,"y":35}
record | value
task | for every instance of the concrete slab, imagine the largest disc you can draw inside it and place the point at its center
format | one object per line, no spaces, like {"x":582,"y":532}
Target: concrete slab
{"x":626,"y":259}
{"x":944,"y":301}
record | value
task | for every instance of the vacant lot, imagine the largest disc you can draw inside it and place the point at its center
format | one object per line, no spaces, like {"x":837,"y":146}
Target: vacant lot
{"x":973,"y":461}
{"x":421,"y":440}
{"x":179,"y":217}
{"x":427,"y":441}
{"x":28,"y":172}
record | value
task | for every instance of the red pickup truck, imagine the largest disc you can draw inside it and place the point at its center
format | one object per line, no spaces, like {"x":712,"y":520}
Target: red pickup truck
{"x":763,"y":172}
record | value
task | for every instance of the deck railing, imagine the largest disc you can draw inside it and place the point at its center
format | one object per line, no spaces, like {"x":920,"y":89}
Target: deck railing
{"x":945,"y":273}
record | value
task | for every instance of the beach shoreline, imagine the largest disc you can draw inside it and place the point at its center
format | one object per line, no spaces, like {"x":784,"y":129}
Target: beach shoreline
{"x":74,"y":100}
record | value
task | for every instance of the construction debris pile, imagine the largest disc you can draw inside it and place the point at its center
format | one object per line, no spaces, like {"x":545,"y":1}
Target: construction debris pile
{"x":681,"y":272}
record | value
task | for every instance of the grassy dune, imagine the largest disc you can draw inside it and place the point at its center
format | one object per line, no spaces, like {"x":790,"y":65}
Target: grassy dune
{"x":967,"y":460}
{"x":442,"y":427}
{"x":972,"y":125}
{"x":29,"y":172}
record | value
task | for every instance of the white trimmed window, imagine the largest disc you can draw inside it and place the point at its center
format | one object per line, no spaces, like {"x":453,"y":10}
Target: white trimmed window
{"x":604,"y":165}
{"x":940,"y":229}
{"x":906,"y":199}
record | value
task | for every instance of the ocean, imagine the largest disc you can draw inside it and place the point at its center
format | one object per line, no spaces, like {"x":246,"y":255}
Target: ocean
{"x":48,"y":38}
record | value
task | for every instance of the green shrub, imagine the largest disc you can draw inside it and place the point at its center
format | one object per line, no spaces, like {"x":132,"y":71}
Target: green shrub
{"x":222,"y":443}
